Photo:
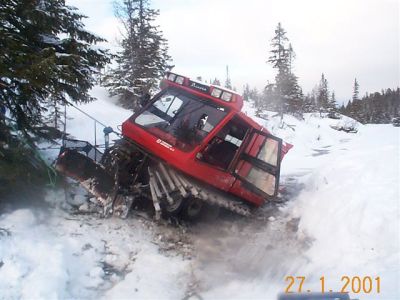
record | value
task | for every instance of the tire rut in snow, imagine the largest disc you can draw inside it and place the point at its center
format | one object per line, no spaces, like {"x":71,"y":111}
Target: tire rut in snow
{"x":267,"y":247}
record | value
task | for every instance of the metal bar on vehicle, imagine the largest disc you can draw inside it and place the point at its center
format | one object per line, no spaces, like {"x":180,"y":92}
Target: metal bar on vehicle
{"x":194,"y":191}
{"x":203,"y":195}
{"x":182,"y":181}
{"x":167,"y":177}
{"x":156,"y":204}
{"x":169,"y":199}
{"x":155,"y":186}
{"x":178,"y":183}
{"x":188,"y":183}
{"x":191,"y":187}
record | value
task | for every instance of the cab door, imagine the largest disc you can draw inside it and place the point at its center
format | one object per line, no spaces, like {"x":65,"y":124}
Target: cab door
{"x":258,"y":166}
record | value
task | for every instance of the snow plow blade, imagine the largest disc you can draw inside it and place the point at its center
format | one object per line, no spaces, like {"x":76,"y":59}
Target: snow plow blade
{"x":89,"y":174}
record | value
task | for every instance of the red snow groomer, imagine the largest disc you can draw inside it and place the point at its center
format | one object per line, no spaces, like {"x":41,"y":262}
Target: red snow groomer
{"x":187,"y":148}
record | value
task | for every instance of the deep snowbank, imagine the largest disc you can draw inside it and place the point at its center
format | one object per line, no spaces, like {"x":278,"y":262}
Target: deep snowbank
{"x":350,"y":207}
{"x":347,"y":204}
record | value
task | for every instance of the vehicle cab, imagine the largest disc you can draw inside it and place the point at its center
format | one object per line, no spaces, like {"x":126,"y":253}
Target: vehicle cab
{"x":200,"y":130}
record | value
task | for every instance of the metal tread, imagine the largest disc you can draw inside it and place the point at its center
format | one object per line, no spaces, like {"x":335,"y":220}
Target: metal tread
{"x":189,"y":187}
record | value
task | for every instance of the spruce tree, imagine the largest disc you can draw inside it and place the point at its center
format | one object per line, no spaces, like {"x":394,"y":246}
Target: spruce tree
{"x":323,"y":94}
{"x":287,"y":90}
{"x":356,"y":88}
{"x":269,"y":97}
{"x":228,"y":83}
{"x":379,"y":107}
{"x":309,"y":102}
{"x":46,"y":57}
{"x":332,"y":102}
{"x":47,"y":60}
{"x":216,"y":82}
{"x":246,"y":92}
{"x":279,"y":53}
{"x":144,"y":57}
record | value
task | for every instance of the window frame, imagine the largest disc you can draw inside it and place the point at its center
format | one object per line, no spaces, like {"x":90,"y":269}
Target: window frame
{"x":258,"y":163}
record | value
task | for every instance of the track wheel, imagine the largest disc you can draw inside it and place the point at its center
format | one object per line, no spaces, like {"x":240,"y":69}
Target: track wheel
{"x":192,"y":209}
{"x":175,"y":207}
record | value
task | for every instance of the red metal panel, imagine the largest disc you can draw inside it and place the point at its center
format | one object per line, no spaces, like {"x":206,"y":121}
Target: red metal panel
{"x":187,"y":161}
{"x":184,"y":161}
{"x":239,"y":190}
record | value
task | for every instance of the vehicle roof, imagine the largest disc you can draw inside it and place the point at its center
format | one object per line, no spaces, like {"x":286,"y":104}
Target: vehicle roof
{"x":191,"y":85}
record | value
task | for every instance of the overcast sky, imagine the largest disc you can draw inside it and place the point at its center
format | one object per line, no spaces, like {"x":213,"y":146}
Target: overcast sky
{"x":343,"y":39}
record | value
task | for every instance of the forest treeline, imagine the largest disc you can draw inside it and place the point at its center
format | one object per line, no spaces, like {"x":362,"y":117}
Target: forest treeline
{"x":284,"y":95}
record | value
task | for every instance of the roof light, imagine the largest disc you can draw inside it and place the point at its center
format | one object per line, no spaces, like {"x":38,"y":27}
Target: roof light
{"x":171,"y":77}
{"x":179,"y":79}
{"x":226,"y":96}
{"x":216,"y":93}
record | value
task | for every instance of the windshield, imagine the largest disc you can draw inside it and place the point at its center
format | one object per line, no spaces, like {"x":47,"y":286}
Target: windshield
{"x":181,"y":119}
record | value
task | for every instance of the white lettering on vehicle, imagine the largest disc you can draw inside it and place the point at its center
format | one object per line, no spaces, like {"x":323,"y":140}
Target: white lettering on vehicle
{"x":165,"y":144}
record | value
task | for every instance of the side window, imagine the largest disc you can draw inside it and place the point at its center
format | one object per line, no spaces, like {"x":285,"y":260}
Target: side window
{"x":269,"y":152}
{"x":259,"y":164}
{"x":262,"y":180}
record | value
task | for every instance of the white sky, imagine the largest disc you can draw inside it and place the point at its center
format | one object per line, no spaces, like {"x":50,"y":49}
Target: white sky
{"x":343,"y":39}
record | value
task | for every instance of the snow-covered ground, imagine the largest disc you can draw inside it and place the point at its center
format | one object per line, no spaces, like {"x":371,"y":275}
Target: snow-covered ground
{"x":342,"y":219}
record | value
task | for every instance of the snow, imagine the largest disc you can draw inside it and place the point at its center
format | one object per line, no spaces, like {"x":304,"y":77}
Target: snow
{"x":50,"y":39}
{"x":53,"y":255}
{"x":82,"y":127}
{"x":342,"y":218}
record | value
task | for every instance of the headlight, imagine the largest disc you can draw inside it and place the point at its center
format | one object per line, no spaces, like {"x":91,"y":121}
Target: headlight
{"x":226,"y":96}
{"x":179,"y":80}
{"x":216,"y":93}
{"x":171,"y":77}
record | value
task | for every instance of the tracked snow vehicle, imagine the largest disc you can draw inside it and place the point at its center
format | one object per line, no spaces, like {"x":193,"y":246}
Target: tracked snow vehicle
{"x":188,"y":147}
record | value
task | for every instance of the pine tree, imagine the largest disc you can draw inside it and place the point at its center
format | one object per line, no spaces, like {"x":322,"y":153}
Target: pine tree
{"x":356,"y":88}
{"x":144,"y":57}
{"x":292,"y":56}
{"x":279,"y":54}
{"x":332,"y":102}
{"x":254,"y":95}
{"x":228,"y":83}
{"x":46,"y":57}
{"x":216,"y":82}
{"x":246,"y":92}
{"x":379,"y":107}
{"x":323,"y":93}
{"x":309,"y":103}
{"x":289,"y":96}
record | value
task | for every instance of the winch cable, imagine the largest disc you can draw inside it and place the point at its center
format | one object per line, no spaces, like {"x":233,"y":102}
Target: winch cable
{"x":106,"y":129}
{"x":51,"y":172}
